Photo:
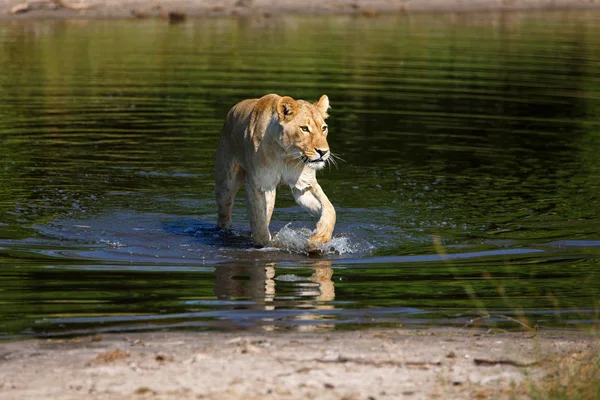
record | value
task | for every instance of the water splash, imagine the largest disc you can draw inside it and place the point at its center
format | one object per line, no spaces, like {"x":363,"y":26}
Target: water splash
{"x":295,"y":240}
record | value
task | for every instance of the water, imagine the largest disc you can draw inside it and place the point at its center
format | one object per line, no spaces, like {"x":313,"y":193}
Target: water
{"x":470,"y":186}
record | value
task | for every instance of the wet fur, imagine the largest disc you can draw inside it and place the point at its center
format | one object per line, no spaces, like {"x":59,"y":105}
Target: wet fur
{"x":264,"y":144}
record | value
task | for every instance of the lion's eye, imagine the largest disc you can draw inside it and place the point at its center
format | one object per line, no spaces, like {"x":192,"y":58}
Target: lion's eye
{"x":305,"y":129}
{"x":324,"y":128}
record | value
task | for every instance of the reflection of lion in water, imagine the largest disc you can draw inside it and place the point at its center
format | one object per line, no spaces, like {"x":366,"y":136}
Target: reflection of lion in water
{"x":271,"y":141}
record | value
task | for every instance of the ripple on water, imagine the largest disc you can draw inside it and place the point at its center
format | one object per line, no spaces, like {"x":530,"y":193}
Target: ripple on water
{"x":294,"y":240}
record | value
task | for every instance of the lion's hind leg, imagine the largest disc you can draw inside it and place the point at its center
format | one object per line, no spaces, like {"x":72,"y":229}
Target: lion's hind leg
{"x":260,"y":209}
{"x":229,"y":178}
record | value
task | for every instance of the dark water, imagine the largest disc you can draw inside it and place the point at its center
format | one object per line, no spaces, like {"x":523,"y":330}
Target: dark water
{"x":470,"y":186}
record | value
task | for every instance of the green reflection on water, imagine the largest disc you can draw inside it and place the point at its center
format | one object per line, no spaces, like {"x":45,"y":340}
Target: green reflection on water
{"x":481,"y":130}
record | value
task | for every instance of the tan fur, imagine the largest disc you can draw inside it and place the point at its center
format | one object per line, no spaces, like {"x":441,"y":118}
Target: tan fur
{"x":264,"y":145}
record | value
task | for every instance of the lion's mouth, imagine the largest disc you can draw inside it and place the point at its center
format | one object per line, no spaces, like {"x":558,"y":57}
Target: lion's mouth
{"x":309,"y":161}
{"x":314,"y":164}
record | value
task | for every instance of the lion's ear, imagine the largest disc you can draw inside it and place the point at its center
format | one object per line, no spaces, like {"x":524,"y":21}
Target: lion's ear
{"x":286,"y":108}
{"x":323,"y":105}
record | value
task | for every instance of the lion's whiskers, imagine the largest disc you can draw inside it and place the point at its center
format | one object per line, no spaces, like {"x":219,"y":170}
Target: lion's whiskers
{"x":302,"y":161}
{"x":336,"y":157}
{"x":286,"y":152}
{"x":333,"y":158}
{"x":293,"y":155}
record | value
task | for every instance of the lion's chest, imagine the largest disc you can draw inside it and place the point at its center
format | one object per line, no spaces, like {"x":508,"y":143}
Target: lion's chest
{"x":281,"y":174}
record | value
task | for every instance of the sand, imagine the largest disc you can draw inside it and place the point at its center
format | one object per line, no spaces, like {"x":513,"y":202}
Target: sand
{"x":370,"y":364}
{"x":178,"y":9}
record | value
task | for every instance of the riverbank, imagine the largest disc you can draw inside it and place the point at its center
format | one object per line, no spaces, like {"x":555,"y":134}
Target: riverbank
{"x":372,"y":364}
{"x":180,"y":9}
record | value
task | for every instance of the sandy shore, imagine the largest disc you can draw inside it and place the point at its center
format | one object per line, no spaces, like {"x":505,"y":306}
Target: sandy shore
{"x":15,"y":9}
{"x":373,"y":364}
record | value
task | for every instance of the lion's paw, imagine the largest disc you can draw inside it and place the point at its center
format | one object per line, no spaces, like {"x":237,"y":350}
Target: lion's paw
{"x":316,"y":243}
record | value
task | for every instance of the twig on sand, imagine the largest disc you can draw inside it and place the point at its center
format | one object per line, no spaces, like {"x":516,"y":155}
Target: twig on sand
{"x":481,"y":361}
{"x":33,"y":4}
{"x":362,"y":361}
{"x":78,"y":6}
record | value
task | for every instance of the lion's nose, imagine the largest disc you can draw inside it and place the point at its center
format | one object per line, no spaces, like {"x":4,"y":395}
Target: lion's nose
{"x":321,"y":152}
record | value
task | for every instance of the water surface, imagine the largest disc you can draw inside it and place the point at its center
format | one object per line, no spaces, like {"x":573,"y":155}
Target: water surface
{"x":470,"y":185}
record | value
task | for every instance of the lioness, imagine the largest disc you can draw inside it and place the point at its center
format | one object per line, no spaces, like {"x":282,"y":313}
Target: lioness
{"x":271,"y":141}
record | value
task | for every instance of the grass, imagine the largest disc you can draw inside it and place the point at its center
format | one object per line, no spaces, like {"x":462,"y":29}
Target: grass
{"x":575,"y":376}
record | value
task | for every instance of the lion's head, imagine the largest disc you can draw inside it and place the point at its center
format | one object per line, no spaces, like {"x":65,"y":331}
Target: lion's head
{"x":304,"y":135}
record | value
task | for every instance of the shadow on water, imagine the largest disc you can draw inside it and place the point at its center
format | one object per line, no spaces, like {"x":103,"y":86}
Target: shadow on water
{"x":470,"y":186}
{"x":207,"y":234}
{"x":288,"y":239}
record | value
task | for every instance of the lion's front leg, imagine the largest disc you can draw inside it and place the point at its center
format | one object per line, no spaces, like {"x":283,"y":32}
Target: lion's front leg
{"x":315,"y":201}
{"x":260,"y":209}
{"x":326,"y":223}
{"x":307,"y":201}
